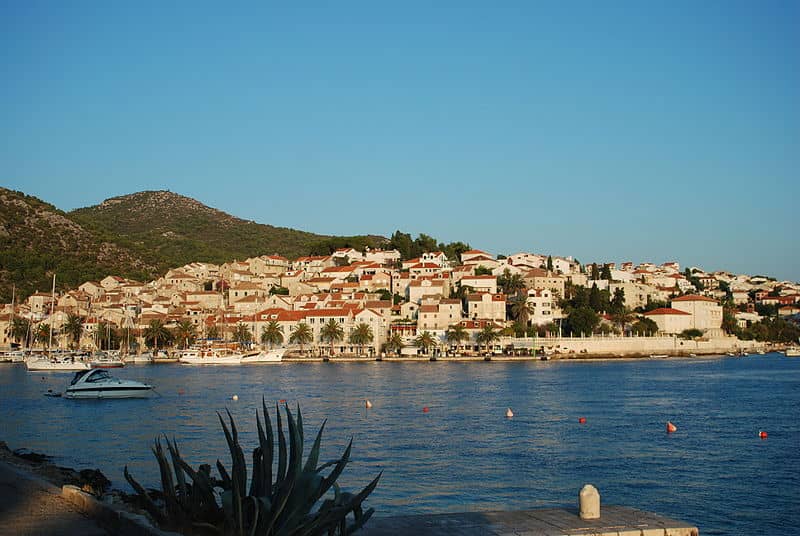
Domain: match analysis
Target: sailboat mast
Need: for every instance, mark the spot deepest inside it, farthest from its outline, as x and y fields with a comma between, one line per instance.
x=52, y=307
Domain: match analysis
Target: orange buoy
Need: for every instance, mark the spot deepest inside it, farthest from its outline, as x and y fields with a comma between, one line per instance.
x=282, y=401
x=762, y=435
x=181, y=391
x=671, y=428
x=581, y=420
x=425, y=409
x=509, y=413
x=368, y=404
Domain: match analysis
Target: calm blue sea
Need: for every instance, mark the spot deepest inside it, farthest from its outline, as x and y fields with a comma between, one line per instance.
x=463, y=454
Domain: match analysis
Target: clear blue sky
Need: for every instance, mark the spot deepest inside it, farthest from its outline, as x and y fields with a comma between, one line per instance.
x=643, y=131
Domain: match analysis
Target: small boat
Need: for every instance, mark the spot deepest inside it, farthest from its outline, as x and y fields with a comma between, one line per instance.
x=271, y=356
x=792, y=351
x=98, y=383
x=13, y=356
x=104, y=360
x=660, y=356
x=145, y=358
x=209, y=357
x=161, y=356
x=44, y=363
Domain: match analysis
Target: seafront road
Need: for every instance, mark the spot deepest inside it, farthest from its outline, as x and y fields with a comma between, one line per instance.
x=30, y=506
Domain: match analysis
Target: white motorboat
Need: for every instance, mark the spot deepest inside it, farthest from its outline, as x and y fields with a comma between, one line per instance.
x=104, y=360
x=792, y=351
x=145, y=358
x=271, y=356
x=44, y=363
x=98, y=383
x=14, y=356
x=209, y=356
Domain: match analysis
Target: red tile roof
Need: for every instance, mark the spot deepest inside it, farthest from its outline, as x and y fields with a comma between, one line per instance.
x=665, y=311
x=694, y=297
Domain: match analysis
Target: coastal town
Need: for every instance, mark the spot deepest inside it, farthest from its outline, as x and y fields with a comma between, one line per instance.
x=373, y=303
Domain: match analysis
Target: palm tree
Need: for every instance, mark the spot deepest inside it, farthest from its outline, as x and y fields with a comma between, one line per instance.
x=242, y=334
x=272, y=334
x=185, y=333
x=623, y=318
x=42, y=335
x=107, y=336
x=456, y=334
x=426, y=341
x=332, y=332
x=301, y=335
x=212, y=332
x=361, y=335
x=511, y=283
x=521, y=310
x=487, y=336
x=395, y=343
x=73, y=327
x=156, y=332
x=20, y=330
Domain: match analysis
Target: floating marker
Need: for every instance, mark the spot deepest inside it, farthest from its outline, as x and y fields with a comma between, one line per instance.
x=671, y=428
x=282, y=401
x=181, y=391
x=367, y=404
x=581, y=420
x=509, y=413
x=235, y=397
x=425, y=409
x=762, y=435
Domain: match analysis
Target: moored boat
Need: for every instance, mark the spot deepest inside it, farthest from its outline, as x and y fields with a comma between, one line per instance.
x=270, y=356
x=45, y=363
x=98, y=383
x=792, y=351
x=209, y=356
x=104, y=360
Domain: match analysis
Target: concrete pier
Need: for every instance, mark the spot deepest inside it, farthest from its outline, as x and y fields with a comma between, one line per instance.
x=614, y=521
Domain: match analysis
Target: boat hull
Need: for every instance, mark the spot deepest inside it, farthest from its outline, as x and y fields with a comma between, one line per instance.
x=110, y=393
x=273, y=356
x=44, y=366
x=212, y=360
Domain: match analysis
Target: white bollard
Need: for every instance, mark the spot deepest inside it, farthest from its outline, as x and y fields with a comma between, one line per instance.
x=589, y=502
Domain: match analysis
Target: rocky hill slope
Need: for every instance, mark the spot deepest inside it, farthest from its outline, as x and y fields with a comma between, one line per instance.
x=38, y=240
x=139, y=235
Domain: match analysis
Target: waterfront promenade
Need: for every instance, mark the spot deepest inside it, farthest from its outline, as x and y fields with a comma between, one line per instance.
x=32, y=506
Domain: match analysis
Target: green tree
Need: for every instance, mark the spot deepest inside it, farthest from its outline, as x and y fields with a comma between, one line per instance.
x=645, y=326
x=582, y=321
x=42, y=335
x=456, y=335
x=595, y=272
x=426, y=341
x=690, y=333
x=212, y=332
x=395, y=343
x=605, y=273
x=107, y=336
x=242, y=334
x=185, y=333
x=487, y=336
x=617, y=304
x=549, y=263
x=20, y=330
x=332, y=332
x=509, y=283
x=301, y=335
x=272, y=334
x=729, y=323
x=482, y=270
x=73, y=327
x=157, y=333
x=521, y=309
x=361, y=335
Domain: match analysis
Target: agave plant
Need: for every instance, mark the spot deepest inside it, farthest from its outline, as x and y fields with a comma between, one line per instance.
x=279, y=502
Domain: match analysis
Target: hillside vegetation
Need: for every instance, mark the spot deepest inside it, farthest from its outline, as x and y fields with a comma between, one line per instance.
x=38, y=240
x=139, y=236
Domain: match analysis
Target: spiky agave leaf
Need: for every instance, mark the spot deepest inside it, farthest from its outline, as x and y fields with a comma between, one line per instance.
x=149, y=505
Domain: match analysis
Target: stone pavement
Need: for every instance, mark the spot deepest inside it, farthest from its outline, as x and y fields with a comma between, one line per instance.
x=30, y=506
x=614, y=521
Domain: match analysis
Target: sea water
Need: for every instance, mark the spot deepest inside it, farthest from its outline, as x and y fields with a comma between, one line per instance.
x=463, y=454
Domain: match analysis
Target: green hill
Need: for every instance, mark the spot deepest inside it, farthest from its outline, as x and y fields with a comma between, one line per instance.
x=168, y=230
x=139, y=236
x=38, y=240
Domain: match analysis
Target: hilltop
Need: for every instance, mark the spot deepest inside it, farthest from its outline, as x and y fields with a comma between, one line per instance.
x=139, y=236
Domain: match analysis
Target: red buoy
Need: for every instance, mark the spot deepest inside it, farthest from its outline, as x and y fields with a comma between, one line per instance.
x=282, y=401
x=671, y=428
x=582, y=420
x=181, y=391
x=425, y=409
x=762, y=435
